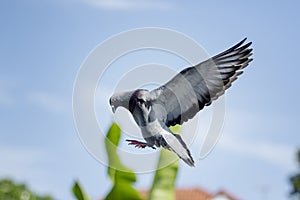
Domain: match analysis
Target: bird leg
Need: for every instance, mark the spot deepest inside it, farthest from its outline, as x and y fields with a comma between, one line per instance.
x=139, y=144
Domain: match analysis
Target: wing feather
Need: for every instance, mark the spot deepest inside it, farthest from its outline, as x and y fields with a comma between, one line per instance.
x=195, y=87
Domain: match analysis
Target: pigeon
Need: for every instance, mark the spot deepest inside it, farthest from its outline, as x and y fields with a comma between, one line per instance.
x=181, y=98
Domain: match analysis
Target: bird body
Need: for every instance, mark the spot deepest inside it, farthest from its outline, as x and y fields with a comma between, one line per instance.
x=154, y=131
x=181, y=99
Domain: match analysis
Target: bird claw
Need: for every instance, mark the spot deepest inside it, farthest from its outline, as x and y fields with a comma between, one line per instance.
x=139, y=144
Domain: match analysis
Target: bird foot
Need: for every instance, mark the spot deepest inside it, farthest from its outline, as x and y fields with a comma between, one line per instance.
x=139, y=144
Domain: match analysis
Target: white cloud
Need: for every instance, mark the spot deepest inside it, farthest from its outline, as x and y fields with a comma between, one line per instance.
x=282, y=155
x=49, y=102
x=14, y=160
x=27, y=165
x=243, y=135
x=130, y=4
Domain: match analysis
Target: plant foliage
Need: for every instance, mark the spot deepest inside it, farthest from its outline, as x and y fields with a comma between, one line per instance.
x=13, y=191
x=78, y=192
x=295, y=181
x=121, y=176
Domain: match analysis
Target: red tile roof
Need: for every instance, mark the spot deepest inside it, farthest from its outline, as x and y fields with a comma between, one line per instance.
x=192, y=194
x=225, y=193
x=196, y=194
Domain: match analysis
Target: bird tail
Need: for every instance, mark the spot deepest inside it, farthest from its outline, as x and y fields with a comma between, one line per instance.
x=177, y=145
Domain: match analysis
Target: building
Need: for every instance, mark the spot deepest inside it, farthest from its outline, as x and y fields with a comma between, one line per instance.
x=199, y=194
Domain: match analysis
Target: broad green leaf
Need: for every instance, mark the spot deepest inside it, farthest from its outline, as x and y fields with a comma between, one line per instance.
x=123, y=190
x=163, y=186
x=78, y=192
x=111, y=143
x=121, y=176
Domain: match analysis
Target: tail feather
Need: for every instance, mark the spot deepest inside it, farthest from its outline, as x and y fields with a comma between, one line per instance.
x=177, y=145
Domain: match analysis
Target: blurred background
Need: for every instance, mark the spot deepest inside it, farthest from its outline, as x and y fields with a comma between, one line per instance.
x=43, y=44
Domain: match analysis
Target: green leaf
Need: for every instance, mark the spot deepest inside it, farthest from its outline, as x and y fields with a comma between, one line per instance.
x=163, y=186
x=121, y=176
x=123, y=190
x=111, y=144
x=11, y=190
x=78, y=192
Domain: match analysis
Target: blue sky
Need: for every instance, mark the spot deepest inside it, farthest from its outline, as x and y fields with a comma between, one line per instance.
x=43, y=44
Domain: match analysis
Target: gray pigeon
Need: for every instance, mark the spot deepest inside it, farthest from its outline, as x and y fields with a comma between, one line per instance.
x=181, y=98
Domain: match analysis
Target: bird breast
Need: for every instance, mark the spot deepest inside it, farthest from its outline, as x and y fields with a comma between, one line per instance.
x=152, y=128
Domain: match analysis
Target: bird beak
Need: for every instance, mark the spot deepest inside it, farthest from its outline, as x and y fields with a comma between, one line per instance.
x=113, y=108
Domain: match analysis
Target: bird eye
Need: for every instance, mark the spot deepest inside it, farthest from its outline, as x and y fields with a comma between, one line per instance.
x=140, y=100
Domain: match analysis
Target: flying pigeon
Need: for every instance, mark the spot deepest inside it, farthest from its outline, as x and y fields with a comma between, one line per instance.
x=181, y=98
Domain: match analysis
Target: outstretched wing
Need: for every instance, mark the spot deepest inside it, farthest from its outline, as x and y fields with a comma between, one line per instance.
x=195, y=87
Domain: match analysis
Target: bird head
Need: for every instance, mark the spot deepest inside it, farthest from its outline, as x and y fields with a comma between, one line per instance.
x=120, y=99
